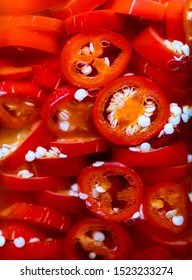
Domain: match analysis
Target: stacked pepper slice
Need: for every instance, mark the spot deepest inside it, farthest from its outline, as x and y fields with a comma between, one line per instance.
x=95, y=121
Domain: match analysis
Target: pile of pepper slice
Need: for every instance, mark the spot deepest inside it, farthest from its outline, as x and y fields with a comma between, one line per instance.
x=95, y=129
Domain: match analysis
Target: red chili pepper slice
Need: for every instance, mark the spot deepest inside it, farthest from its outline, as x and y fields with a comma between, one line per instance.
x=82, y=146
x=74, y=7
x=110, y=190
x=8, y=197
x=166, y=205
x=163, y=156
x=169, y=58
x=67, y=112
x=42, y=250
x=175, y=85
x=178, y=244
x=176, y=95
x=65, y=200
x=94, y=161
x=23, y=7
x=94, y=20
x=27, y=38
x=162, y=77
x=35, y=214
x=19, y=142
x=19, y=183
x=13, y=73
x=56, y=166
x=37, y=22
x=151, y=175
x=98, y=239
x=12, y=229
x=121, y=110
x=46, y=78
x=141, y=8
x=174, y=20
x=20, y=103
x=45, y=60
x=91, y=60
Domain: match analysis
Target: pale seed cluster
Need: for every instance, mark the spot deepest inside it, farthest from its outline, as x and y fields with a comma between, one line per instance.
x=42, y=152
x=19, y=242
x=178, y=47
x=177, y=220
x=7, y=149
x=118, y=101
x=176, y=115
x=87, y=69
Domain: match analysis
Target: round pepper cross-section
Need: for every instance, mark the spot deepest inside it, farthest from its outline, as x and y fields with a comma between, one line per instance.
x=166, y=205
x=66, y=115
x=130, y=110
x=94, y=239
x=91, y=60
x=20, y=103
x=111, y=190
